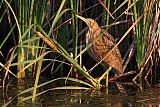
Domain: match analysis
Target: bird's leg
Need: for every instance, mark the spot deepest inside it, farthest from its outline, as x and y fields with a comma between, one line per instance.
x=105, y=74
x=107, y=77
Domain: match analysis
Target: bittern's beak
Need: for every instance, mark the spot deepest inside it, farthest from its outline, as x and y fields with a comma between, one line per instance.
x=84, y=19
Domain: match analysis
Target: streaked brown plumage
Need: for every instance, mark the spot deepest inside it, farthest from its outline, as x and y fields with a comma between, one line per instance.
x=103, y=42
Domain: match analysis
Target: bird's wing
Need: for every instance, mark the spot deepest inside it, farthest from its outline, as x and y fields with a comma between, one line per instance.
x=107, y=44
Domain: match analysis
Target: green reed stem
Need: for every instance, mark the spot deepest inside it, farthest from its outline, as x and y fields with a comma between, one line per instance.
x=107, y=16
x=40, y=62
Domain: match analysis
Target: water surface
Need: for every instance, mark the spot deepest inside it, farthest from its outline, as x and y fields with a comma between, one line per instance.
x=136, y=97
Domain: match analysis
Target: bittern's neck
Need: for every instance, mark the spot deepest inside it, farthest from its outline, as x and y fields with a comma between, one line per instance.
x=92, y=34
x=95, y=31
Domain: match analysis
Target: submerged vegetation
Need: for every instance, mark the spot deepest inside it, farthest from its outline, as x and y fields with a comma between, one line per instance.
x=46, y=38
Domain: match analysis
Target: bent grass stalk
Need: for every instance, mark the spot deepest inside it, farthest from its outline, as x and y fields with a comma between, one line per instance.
x=46, y=83
x=68, y=57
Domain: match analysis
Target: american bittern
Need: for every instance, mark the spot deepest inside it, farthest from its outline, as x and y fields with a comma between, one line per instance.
x=102, y=43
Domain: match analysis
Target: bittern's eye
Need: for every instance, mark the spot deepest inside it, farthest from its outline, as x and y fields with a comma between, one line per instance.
x=90, y=22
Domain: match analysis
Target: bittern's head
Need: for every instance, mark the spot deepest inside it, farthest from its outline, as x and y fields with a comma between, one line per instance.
x=92, y=24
